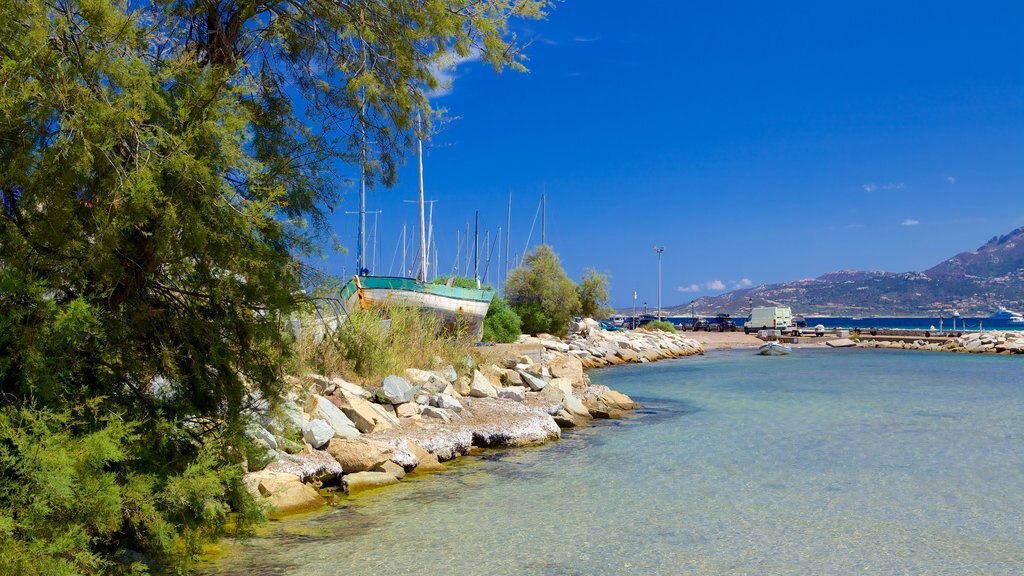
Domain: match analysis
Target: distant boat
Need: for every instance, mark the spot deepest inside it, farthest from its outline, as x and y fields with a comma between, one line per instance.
x=773, y=349
x=451, y=303
x=1008, y=316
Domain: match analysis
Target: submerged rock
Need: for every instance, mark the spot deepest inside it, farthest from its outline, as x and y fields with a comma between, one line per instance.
x=363, y=481
x=284, y=492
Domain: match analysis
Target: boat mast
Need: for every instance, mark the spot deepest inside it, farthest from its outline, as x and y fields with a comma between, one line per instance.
x=543, y=216
x=476, y=247
x=508, y=234
x=422, y=277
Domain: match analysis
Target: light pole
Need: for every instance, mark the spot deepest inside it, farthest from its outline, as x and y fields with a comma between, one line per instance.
x=693, y=315
x=632, y=319
x=659, y=251
x=750, y=305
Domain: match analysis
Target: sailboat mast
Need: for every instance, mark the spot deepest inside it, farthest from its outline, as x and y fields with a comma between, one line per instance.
x=423, y=227
x=543, y=217
x=361, y=255
x=508, y=233
x=476, y=247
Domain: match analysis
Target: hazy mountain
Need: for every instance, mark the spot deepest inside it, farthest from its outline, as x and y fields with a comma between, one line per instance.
x=974, y=283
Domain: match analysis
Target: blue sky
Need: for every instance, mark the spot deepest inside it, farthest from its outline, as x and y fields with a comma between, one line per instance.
x=757, y=143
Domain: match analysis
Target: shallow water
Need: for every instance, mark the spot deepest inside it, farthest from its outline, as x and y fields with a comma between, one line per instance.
x=822, y=462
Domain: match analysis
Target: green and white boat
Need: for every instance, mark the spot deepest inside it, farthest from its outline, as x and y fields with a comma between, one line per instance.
x=451, y=303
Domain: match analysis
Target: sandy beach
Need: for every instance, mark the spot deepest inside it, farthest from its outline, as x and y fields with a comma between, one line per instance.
x=731, y=340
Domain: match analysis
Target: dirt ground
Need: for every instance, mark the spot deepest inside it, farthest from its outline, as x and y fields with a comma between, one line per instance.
x=729, y=340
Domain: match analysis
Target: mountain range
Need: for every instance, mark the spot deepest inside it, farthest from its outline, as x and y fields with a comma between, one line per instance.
x=973, y=283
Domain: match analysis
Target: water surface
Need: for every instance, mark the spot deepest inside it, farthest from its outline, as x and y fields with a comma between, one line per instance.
x=822, y=462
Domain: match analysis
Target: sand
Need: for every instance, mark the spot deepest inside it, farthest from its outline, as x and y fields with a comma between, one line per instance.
x=731, y=340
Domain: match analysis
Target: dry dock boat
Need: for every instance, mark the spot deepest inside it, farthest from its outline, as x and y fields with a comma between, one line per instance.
x=451, y=303
x=773, y=349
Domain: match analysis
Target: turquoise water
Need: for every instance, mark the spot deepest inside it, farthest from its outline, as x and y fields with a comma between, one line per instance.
x=822, y=462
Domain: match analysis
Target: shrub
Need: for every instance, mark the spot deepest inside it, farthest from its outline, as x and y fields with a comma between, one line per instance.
x=593, y=294
x=502, y=324
x=541, y=294
x=662, y=325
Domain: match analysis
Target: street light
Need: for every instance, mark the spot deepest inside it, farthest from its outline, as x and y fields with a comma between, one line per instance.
x=750, y=305
x=659, y=251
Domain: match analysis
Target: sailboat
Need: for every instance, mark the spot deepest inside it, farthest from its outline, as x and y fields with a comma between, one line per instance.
x=452, y=303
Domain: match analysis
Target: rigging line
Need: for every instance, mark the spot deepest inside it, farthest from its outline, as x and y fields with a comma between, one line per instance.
x=532, y=226
x=395, y=255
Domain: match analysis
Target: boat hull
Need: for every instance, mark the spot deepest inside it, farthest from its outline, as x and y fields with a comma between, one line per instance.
x=451, y=303
x=773, y=349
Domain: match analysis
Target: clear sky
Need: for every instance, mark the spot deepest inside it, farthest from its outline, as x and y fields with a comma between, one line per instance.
x=757, y=142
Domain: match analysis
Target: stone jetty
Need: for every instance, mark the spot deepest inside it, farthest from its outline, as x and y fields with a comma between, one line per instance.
x=988, y=342
x=333, y=436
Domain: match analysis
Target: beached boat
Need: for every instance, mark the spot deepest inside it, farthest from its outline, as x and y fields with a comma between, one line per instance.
x=773, y=349
x=452, y=303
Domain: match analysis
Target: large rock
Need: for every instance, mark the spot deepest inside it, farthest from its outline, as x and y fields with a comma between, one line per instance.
x=324, y=409
x=316, y=433
x=408, y=410
x=617, y=400
x=566, y=366
x=363, y=415
x=841, y=343
x=315, y=466
x=398, y=390
x=517, y=393
x=481, y=387
x=445, y=401
x=391, y=468
x=439, y=413
x=428, y=381
x=359, y=454
x=462, y=384
x=284, y=492
x=511, y=378
x=425, y=461
x=450, y=374
x=535, y=383
x=363, y=481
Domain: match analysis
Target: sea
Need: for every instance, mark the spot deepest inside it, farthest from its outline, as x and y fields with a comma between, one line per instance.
x=829, y=462
x=946, y=323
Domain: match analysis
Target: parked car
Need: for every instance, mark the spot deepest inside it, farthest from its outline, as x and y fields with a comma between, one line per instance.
x=723, y=323
x=698, y=324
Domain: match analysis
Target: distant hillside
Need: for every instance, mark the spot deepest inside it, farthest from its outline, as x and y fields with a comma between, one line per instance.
x=973, y=283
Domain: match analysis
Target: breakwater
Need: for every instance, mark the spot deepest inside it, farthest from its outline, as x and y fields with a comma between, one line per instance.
x=333, y=437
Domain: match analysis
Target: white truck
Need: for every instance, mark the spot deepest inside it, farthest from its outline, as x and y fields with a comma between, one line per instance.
x=768, y=318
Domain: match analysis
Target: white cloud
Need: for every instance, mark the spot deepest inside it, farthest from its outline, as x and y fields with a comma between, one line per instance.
x=744, y=283
x=910, y=222
x=593, y=38
x=549, y=41
x=716, y=285
x=689, y=289
x=869, y=188
x=444, y=67
x=951, y=180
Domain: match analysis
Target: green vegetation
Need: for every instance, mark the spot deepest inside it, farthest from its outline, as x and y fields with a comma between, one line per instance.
x=541, y=294
x=160, y=193
x=663, y=325
x=502, y=324
x=460, y=282
x=593, y=294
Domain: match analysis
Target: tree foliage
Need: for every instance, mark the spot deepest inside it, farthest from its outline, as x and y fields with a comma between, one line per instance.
x=593, y=294
x=164, y=170
x=541, y=294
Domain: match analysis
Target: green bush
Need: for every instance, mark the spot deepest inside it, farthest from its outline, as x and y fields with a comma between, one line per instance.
x=662, y=325
x=541, y=294
x=593, y=294
x=460, y=282
x=502, y=324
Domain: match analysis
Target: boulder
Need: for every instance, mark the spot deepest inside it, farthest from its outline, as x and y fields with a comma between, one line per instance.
x=398, y=390
x=481, y=387
x=617, y=400
x=511, y=378
x=362, y=413
x=390, y=467
x=439, y=413
x=315, y=466
x=317, y=432
x=359, y=454
x=284, y=492
x=427, y=381
x=462, y=385
x=408, y=410
x=533, y=382
x=493, y=373
x=841, y=343
x=517, y=393
x=363, y=481
x=425, y=461
x=566, y=366
x=324, y=409
x=445, y=401
x=450, y=374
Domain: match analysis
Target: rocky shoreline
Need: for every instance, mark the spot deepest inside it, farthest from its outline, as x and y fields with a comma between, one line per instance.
x=987, y=342
x=333, y=437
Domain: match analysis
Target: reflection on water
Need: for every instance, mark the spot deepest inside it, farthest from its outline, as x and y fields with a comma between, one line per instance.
x=822, y=462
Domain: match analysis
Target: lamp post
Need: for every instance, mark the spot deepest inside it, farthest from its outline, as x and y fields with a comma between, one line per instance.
x=750, y=305
x=693, y=315
x=632, y=319
x=659, y=250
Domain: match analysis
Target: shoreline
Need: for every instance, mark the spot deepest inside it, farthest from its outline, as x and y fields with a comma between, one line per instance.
x=355, y=439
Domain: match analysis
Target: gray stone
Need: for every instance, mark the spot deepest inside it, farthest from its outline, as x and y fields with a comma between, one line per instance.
x=260, y=433
x=536, y=384
x=446, y=402
x=439, y=413
x=450, y=374
x=517, y=393
x=322, y=408
x=317, y=432
x=398, y=390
